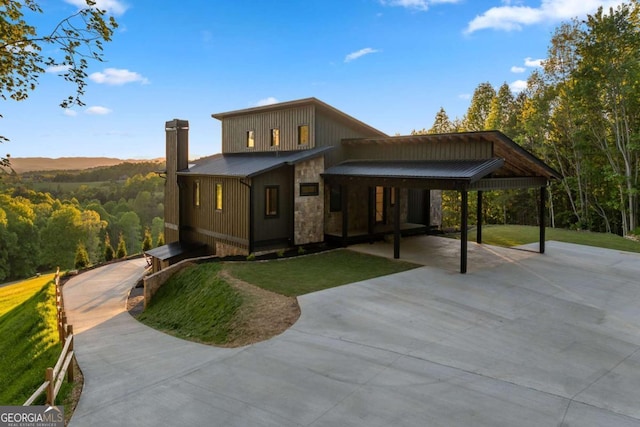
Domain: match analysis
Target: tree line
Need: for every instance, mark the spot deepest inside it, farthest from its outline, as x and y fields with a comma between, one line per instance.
x=580, y=113
x=85, y=225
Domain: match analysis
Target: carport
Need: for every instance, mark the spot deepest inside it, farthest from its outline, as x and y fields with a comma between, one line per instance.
x=464, y=162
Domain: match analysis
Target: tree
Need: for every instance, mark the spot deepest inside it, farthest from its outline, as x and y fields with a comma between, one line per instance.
x=476, y=117
x=147, y=242
x=82, y=256
x=108, y=249
x=121, y=252
x=70, y=45
x=160, y=241
x=441, y=123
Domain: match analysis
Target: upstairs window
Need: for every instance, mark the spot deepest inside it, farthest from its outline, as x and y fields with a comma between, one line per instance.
x=303, y=134
x=275, y=137
x=196, y=194
x=218, y=201
x=251, y=139
x=271, y=201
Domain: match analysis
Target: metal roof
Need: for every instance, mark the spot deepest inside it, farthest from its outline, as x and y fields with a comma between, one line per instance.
x=247, y=165
x=460, y=170
x=173, y=249
x=518, y=161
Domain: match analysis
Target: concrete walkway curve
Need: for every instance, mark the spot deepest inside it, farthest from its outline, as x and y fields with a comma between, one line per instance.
x=526, y=340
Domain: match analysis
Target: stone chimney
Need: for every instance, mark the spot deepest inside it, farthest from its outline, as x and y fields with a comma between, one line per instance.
x=177, y=159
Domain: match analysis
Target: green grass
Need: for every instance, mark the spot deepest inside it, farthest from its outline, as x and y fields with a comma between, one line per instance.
x=29, y=341
x=194, y=304
x=514, y=235
x=302, y=275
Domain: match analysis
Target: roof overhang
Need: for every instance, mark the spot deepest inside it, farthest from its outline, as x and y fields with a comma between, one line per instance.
x=247, y=165
x=428, y=174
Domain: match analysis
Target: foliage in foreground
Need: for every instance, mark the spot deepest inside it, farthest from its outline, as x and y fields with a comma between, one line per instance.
x=29, y=334
x=194, y=304
x=302, y=275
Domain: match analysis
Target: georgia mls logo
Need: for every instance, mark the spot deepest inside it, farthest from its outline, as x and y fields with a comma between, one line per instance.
x=31, y=416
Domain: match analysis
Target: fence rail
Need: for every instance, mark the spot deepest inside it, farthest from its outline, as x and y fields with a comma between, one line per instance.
x=54, y=377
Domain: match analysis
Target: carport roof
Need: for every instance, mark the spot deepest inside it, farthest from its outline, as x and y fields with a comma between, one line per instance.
x=247, y=165
x=468, y=171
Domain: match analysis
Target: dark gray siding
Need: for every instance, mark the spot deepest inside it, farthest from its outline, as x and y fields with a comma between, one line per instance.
x=445, y=150
x=234, y=130
x=272, y=232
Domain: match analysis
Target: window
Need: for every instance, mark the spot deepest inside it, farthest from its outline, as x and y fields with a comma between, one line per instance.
x=196, y=194
x=218, y=205
x=275, y=137
x=271, y=201
x=335, y=198
x=309, y=189
x=303, y=134
x=380, y=202
x=251, y=140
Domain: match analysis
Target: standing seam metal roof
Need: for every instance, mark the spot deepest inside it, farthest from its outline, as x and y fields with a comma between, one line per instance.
x=469, y=170
x=247, y=165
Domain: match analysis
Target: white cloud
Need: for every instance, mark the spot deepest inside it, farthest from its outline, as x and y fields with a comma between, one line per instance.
x=511, y=18
x=70, y=113
x=362, y=52
x=97, y=110
x=465, y=96
x=516, y=69
x=266, y=101
x=117, y=77
x=518, y=86
x=415, y=4
x=114, y=7
x=57, y=69
x=534, y=63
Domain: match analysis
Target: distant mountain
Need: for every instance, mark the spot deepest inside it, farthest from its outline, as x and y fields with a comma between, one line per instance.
x=27, y=164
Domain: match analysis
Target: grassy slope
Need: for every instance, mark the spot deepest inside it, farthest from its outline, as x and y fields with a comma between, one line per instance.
x=197, y=305
x=29, y=341
x=302, y=275
x=514, y=235
x=194, y=304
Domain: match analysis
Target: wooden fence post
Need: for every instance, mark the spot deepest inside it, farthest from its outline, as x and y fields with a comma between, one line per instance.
x=50, y=387
x=70, y=336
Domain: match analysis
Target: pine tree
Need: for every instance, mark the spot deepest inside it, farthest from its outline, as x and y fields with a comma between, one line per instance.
x=147, y=243
x=82, y=256
x=108, y=249
x=121, y=252
x=160, y=241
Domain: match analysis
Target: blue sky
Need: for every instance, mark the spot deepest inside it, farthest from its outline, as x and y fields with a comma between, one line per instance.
x=389, y=63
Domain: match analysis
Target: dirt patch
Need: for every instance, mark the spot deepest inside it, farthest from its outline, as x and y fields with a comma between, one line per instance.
x=263, y=314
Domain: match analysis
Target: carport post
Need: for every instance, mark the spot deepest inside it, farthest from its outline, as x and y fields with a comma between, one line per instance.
x=479, y=221
x=543, y=199
x=344, y=194
x=396, y=223
x=463, y=231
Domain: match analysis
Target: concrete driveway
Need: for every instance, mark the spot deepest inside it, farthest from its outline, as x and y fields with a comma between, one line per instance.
x=521, y=340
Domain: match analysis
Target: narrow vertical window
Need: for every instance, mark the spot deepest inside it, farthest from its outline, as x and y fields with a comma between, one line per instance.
x=196, y=194
x=275, y=137
x=271, y=201
x=303, y=134
x=218, y=197
x=251, y=141
x=335, y=198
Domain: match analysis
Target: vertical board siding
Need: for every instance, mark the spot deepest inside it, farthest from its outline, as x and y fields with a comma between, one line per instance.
x=281, y=226
x=171, y=191
x=234, y=130
x=330, y=133
x=231, y=221
x=440, y=150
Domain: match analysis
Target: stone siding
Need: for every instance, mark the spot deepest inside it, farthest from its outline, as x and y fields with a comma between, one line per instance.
x=309, y=210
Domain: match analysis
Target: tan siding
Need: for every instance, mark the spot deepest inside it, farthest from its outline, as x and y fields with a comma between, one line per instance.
x=234, y=130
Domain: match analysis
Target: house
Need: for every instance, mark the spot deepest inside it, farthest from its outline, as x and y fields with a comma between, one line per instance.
x=302, y=172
